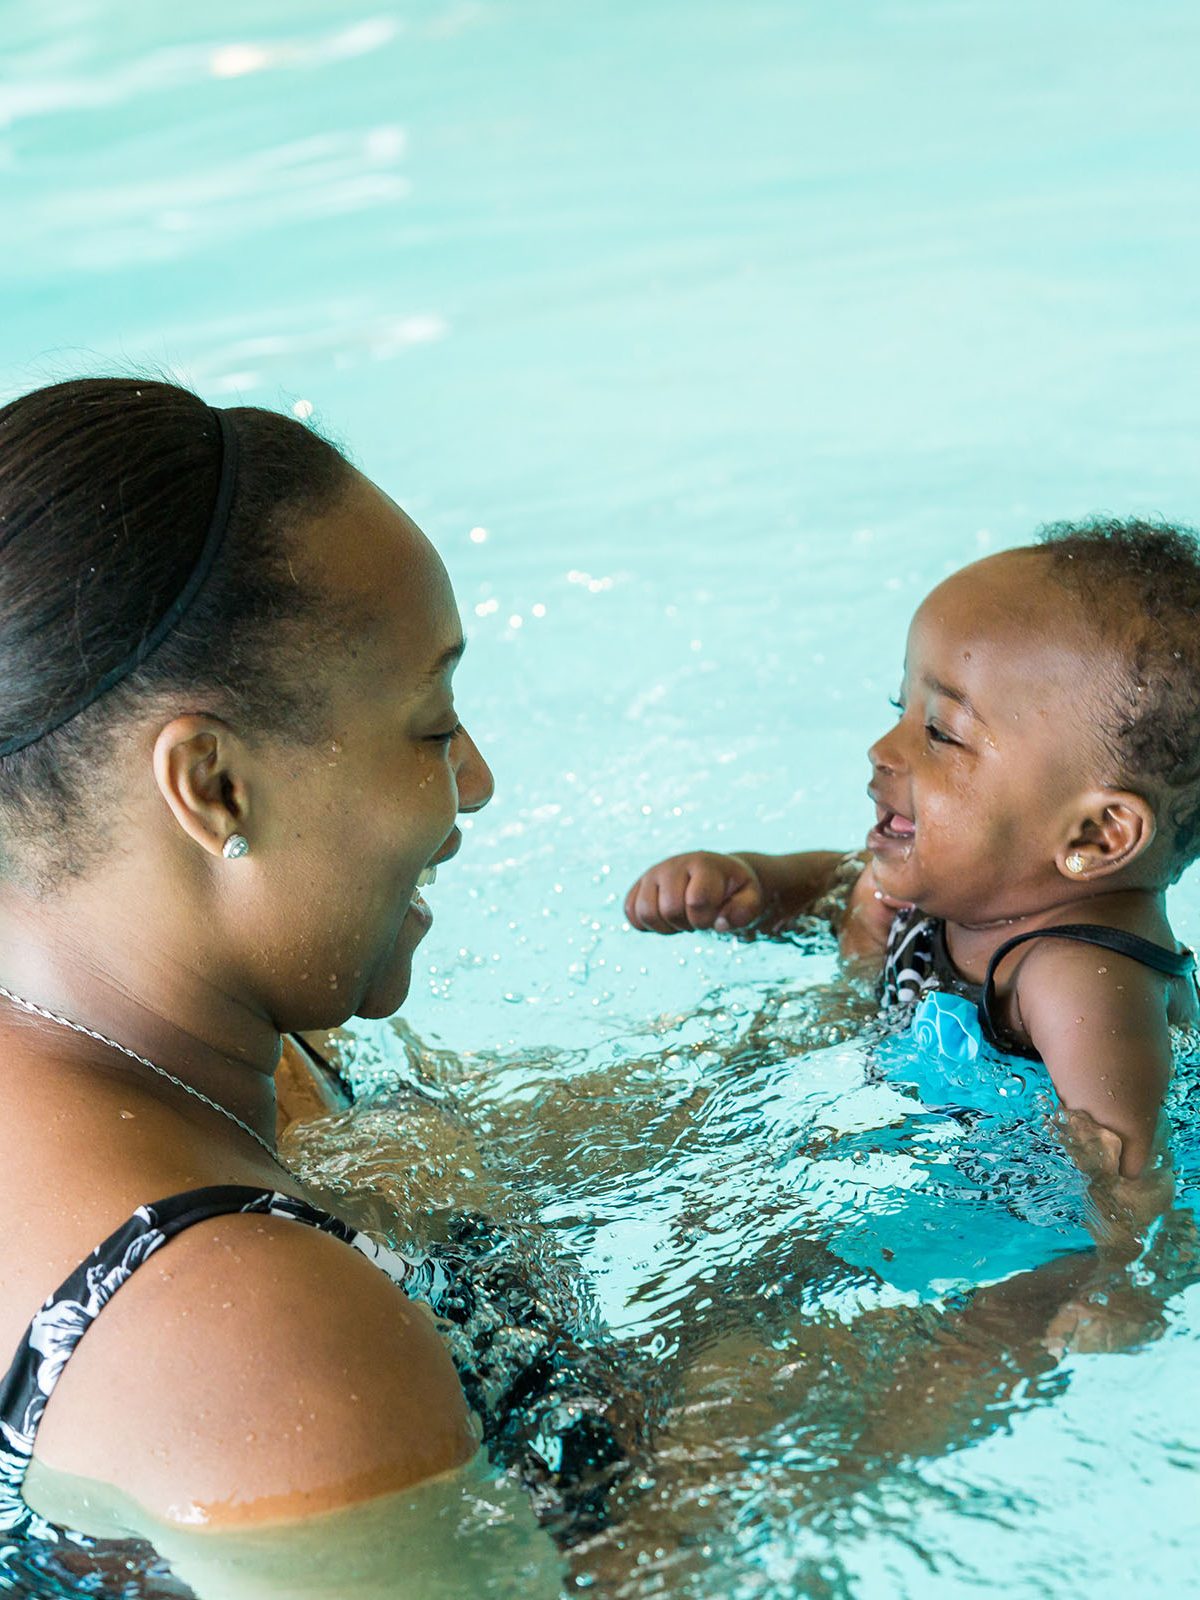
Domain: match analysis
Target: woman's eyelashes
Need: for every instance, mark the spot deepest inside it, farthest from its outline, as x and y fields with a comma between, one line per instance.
x=445, y=738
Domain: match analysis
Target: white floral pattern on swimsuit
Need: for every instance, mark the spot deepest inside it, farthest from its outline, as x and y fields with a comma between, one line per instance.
x=56, y=1329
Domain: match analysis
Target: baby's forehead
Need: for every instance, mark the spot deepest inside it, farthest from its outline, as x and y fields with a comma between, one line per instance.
x=1012, y=592
x=1006, y=617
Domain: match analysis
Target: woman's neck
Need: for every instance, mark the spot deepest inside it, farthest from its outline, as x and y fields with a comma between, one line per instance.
x=127, y=983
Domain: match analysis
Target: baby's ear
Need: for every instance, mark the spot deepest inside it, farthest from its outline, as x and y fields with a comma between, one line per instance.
x=1111, y=829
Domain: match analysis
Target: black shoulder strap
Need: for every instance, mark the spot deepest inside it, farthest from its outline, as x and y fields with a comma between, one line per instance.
x=1175, y=963
x=330, y=1069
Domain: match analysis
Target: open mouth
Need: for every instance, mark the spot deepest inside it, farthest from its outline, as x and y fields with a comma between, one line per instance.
x=427, y=876
x=893, y=824
x=419, y=904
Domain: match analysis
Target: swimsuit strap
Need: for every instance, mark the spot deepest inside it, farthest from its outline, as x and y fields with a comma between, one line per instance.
x=328, y=1068
x=1174, y=963
x=56, y=1330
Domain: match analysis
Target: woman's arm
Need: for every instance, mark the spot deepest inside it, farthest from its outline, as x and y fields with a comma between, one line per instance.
x=256, y=1370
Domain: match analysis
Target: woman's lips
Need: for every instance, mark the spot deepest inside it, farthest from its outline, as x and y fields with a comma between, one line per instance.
x=418, y=906
x=419, y=910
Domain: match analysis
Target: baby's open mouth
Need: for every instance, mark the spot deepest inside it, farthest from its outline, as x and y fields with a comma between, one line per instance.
x=892, y=825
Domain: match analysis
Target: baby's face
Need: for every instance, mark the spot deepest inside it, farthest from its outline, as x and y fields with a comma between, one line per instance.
x=977, y=785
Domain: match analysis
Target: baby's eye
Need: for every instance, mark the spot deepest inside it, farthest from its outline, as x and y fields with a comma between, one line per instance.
x=939, y=735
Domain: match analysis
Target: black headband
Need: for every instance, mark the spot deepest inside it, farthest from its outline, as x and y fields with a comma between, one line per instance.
x=213, y=540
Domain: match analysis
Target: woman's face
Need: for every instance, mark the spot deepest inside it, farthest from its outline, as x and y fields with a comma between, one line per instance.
x=342, y=830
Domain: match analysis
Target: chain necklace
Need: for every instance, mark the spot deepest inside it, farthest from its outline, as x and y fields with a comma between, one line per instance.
x=102, y=1038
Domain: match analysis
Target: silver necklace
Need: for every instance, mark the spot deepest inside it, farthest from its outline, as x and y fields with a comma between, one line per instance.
x=102, y=1038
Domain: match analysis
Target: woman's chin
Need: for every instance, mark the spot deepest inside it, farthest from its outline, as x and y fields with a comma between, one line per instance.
x=389, y=986
x=386, y=993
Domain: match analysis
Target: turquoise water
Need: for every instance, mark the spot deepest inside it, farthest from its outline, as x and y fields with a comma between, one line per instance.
x=702, y=338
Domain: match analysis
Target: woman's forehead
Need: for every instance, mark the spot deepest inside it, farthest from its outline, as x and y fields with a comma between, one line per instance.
x=371, y=559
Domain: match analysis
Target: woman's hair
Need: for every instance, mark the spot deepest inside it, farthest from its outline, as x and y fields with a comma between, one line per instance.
x=107, y=488
x=1140, y=584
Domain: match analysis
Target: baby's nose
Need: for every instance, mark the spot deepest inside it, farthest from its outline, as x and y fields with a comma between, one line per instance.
x=884, y=755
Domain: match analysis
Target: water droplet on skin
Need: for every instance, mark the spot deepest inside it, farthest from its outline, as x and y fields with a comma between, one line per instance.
x=1101, y=970
x=128, y=1116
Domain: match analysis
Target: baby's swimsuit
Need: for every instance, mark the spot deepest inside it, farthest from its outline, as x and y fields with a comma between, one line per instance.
x=54, y=1334
x=956, y=1016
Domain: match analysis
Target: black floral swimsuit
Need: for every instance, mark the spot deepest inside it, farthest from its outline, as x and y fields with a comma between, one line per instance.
x=55, y=1332
x=917, y=967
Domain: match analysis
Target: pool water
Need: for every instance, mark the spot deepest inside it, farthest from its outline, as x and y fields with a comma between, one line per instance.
x=702, y=338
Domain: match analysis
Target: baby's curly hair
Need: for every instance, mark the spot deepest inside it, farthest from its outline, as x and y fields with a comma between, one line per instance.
x=1140, y=581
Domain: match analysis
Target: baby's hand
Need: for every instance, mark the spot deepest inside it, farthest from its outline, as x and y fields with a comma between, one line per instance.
x=698, y=890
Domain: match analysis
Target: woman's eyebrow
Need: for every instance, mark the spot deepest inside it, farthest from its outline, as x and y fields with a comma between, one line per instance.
x=957, y=695
x=448, y=658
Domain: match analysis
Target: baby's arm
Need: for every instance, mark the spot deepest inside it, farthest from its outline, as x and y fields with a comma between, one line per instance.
x=760, y=893
x=1099, y=1022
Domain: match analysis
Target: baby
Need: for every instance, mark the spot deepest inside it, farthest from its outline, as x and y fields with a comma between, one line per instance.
x=1038, y=793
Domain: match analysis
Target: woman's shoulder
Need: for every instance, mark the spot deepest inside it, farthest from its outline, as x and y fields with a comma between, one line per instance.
x=256, y=1369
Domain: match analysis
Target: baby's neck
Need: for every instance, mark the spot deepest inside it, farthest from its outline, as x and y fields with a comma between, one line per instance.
x=1141, y=911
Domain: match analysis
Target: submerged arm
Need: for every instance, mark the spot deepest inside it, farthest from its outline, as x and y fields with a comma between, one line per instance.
x=1099, y=1022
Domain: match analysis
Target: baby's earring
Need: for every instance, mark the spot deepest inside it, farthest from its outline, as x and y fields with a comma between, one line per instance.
x=1075, y=862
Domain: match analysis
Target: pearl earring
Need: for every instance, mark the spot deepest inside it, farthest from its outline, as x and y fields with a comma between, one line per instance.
x=1075, y=862
x=235, y=847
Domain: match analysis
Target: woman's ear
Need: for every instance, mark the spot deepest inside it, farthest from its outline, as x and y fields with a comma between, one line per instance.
x=1112, y=828
x=199, y=769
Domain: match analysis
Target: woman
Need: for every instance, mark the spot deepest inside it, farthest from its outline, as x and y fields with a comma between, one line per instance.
x=228, y=754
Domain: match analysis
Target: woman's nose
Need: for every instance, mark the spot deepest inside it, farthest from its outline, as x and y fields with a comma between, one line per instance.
x=476, y=786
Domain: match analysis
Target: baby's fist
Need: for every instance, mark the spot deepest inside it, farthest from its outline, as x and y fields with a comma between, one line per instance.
x=699, y=890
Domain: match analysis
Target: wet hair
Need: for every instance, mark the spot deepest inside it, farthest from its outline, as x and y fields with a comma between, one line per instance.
x=107, y=486
x=1140, y=583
